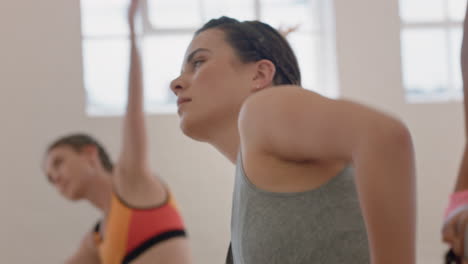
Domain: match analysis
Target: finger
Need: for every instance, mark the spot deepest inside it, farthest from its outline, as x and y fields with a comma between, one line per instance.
x=132, y=13
x=448, y=232
x=463, y=223
x=133, y=8
x=455, y=241
x=458, y=242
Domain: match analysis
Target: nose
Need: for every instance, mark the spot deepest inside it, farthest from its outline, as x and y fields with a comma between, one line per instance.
x=55, y=178
x=177, y=85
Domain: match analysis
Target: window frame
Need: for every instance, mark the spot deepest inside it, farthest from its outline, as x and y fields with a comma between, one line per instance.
x=326, y=61
x=447, y=25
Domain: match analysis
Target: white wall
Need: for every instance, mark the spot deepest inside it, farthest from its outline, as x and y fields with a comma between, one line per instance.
x=42, y=96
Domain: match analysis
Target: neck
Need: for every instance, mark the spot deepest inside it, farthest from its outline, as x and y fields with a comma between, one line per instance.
x=99, y=193
x=227, y=141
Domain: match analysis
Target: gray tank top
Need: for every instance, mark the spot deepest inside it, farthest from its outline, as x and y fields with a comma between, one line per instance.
x=323, y=225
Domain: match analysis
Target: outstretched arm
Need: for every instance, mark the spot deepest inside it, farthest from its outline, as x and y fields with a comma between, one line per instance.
x=462, y=182
x=453, y=231
x=133, y=160
x=285, y=31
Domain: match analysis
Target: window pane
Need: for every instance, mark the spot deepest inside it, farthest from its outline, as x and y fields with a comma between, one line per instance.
x=175, y=13
x=289, y=13
x=305, y=47
x=104, y=17
x=239, y=9
x=106, y=57
x=422, y=10
x=105, y=72
x=424, y=58
x=163, y=61
x=455, y=49
x=457, y=9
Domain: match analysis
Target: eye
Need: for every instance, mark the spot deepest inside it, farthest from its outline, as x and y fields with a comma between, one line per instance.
x=197, y=63
x=57, y=162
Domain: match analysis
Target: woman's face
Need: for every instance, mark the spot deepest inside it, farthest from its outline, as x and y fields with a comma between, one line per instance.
x=68, y=171
x=212, y=86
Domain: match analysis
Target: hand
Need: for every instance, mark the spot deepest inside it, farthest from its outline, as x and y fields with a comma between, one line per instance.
x=453, y=233
x=132, y=14
x=284, y=31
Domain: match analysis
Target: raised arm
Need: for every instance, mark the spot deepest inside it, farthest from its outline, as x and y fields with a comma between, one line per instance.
x=454, y=226
x=295, y=124
x=134, y=153
x=285, y=31
x=462, y=181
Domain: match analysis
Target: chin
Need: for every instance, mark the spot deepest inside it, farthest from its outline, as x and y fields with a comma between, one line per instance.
x=75, y=198
x=72, y=196
x=193, y=130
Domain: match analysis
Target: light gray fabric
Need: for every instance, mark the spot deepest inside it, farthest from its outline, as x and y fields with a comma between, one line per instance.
x=324, y=225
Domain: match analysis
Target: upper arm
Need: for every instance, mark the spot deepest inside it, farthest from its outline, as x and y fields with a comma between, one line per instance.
x=296, y=124
x=87, y=252
x=299, y=125
x=133, y=159
x=464, y=68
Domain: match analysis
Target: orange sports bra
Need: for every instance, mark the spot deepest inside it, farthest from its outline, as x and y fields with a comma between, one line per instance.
x=130, y=231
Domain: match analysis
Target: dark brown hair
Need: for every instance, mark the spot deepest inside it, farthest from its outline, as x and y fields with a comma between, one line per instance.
x=78, y=141
x=254, y=41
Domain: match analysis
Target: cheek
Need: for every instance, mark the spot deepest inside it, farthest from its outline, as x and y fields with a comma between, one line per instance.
x=70, y=171
x=206, y=78
x=215, y=74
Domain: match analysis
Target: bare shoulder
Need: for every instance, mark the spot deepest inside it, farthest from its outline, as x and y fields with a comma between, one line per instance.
x=264, y=111
x=278, y=102
x=283, y=96
x=146, y=191
x=296, y=124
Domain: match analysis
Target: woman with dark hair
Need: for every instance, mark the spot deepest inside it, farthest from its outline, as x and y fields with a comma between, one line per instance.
x=317, y=180
x=141, y=223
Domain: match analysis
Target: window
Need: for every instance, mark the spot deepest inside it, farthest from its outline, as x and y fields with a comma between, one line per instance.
x=168, y=27
x=431, y=33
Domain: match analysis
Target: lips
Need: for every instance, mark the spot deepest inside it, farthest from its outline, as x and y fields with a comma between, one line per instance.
x=183, y=100
x=63, y=186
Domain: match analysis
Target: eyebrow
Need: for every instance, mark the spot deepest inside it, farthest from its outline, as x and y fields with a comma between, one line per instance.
x=190, y=57
x=48, y=175
x=56, y=161
x=54, y=164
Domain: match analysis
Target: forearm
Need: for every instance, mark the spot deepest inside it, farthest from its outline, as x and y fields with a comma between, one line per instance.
x=135, y=79
x=134, y=139
x=135, y=117
x=464, y=69
x=462, y=180
x=386, y=184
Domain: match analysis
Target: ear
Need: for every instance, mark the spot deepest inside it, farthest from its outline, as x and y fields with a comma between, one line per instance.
x=90, y=152
x=265, y=72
